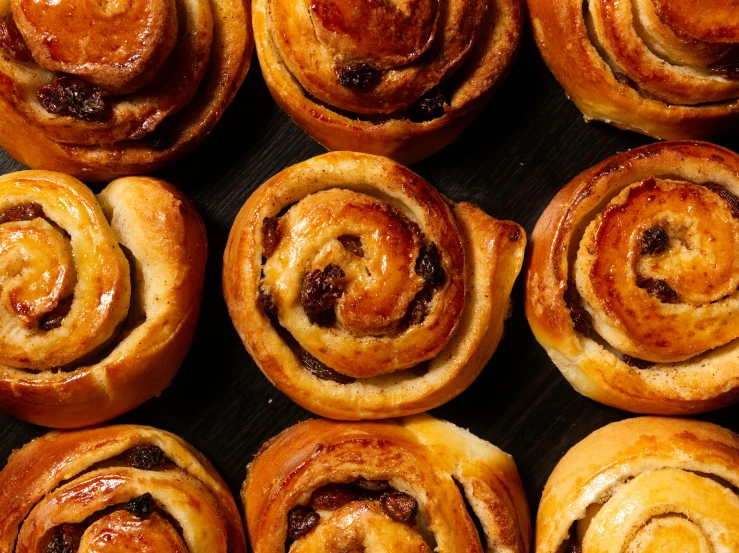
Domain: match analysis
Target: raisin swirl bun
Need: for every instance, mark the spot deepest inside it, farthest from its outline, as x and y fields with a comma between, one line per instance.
x=99, y=296
x=644, y=485
x=398, y=78
x=101, y=90
x=665, y=68
x=409, y=485
x=115, y=489
x=633, y=276
x=361, y=292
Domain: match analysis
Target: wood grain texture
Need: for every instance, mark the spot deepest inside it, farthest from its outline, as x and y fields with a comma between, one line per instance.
x=527, y=144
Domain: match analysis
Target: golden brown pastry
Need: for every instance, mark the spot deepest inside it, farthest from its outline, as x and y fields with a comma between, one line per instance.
x=99, y=296
x=409, y=485
x=665, y=68
x=397, y=79
x=106, y=89
x=115, y=489
x=362, y=293
x=644, y=485
x=633, y=276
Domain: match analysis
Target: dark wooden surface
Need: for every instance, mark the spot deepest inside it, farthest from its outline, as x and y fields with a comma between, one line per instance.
x=527, y=144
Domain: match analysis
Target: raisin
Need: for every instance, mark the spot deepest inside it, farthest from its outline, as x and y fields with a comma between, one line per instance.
x=660, y=290
x=727, y=196
x=418, y=309
x=271, y=235
x=728, y=66
x=26, y=212
x=580, y=317
x=654, y=241
x=352, y=243
x=74, y=97
x=300, y=521
x=428, y=265
x=430, y=106
x=53, y=319
x=141, y=507
x=265, y=301
x=321, y=289
x=399, y=506
x=332, y=496
x=12, y=41
x=623, y=78
x=573, y=547
x=324, y=372
x=355, y=74
x=65, y=539
x=373, y=485
x=145, y=457
x=636, y=363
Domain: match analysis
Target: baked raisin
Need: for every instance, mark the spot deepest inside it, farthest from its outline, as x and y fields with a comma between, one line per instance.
x=654, y=241
x=141, y=507
x=321, y=289
x=53, y=319
x=332, y=496
x=355, y=74
x=271, y=235
x=727, y=196
x=73, y=97
x=25, y=212
x=418, y=309
x=636, y=363
x=580, y=317
x=65, y=539
x=12, y=41
x=265, y=301
x=352, y=243
x=660, y=290
x=428, y=265
x=300, y=521
x=399, y=506
x=430, y=106
x=145, y=457
x=728, y=66
x=573, y=547
x=623, y=78
x=324, y=372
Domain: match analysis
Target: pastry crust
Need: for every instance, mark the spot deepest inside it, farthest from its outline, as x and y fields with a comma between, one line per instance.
x=401, y=342
x=181, y=63
x=84, y=480
x=664, y=333
x=665, y=69
x=419, y=456
x=644, y=484
x=132, y=262
x=460, y=48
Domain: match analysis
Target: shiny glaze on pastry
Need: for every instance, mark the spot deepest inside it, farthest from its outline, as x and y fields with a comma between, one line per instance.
x=362, y=293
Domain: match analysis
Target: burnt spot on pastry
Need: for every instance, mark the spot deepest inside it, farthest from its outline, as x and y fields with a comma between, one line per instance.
x=271, y=235
x=300, y=521
x=141, y=507
x=399, y=506
x=11, y=40
x=637, y=363
x=725, y=195
x=73, y=97
x=319, y=293
x=352, y=243
x=430, y=106
x=322, y=371
x=332, y=496
x=25, y=212
x=145, y=457
x=580, y=317
x=352, y=74
x=654, y=241
x=65, y=539
x=54, y=318
x=659, y=289
x=266, y=302
x=728, y=66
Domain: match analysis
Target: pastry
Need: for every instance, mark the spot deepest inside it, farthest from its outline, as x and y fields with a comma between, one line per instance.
x=396, y=79
x=99, y=296
x=633, y=275
x=361, y=292
x=644, y=485
x=115, y=488
x=101, y=90
x=665, y=68
x=410, y=485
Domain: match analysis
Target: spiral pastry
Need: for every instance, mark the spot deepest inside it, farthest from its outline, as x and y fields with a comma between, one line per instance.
x=409, y=485
x=633, y=276
x=98, y=296
x=362, y=293
x=115, y=489
x=107, y=89
x=644, y=485
x=665, y=68
x=395, y=78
